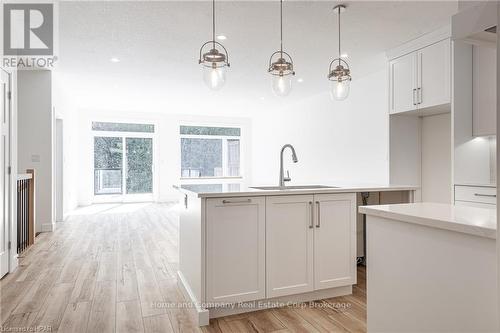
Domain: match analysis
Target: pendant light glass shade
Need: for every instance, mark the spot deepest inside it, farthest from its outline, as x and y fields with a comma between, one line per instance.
x=281, y=66
x=214, y=59
x=339, y=90
x=339, y=73
x=282, y=85
x=214, y=78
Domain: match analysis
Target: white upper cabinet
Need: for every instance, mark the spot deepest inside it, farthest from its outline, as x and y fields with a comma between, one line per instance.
x=434, y=78
x=403, y=83
x=289, y=245
x=334, y=240
x=235, y=249
x=484, y=91
x=421, y=79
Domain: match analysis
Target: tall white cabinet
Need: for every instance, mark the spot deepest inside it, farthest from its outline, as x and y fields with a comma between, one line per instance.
x=484, y=97
x=420, y=90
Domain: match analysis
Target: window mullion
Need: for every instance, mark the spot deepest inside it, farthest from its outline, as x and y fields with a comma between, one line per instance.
x=225, y=171
x=124, y=168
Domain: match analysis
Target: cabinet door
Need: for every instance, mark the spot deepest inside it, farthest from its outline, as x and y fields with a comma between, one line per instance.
x=403, y=81
x=235, y=249
x=434, y=74
x=289, y=245
x=484, y=97
x=334, y=240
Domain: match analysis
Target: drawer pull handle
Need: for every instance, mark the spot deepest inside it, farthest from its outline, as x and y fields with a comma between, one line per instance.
x=485, y=195
x=236, y=201
x=311, y=224
x=318, y=224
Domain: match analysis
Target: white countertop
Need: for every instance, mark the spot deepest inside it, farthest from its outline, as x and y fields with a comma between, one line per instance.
x=469, y=220
x=203, y=192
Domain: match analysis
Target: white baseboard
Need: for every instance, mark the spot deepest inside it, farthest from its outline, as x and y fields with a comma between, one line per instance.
x=14, y=261
x=48, y=227
x=201, y=316
x=279, y=301
x=198, y=314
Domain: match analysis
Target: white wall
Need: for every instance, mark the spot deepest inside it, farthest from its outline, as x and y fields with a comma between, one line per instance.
x=35, y=121
x=344, y=142
x=335, y=141
x=65, y=109
x=436, y=158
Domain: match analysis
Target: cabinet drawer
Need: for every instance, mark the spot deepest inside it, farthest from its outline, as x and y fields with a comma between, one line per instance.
x=474, y=204
x=477, y=194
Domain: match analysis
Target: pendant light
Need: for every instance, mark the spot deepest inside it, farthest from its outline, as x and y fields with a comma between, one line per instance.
x=281, y=65
x=339, y=73
x=214, y=59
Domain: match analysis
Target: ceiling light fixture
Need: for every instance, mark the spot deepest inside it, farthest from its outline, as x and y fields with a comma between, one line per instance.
x=281, y=65
x=114, y=59
x=221, y=37
x=339, y=72
x=214, y=61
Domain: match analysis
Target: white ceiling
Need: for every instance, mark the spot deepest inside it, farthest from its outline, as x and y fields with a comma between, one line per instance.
x=158, y=42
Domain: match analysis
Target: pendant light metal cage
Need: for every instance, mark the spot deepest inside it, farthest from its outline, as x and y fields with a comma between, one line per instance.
x=213, y=58
x=339, y=73
x=281, y=64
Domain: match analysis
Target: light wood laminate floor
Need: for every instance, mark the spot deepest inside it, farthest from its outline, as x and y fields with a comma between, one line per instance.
x=111, y=268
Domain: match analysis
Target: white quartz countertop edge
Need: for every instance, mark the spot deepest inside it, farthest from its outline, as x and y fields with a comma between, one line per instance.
x=256, y=192
x=468, y=220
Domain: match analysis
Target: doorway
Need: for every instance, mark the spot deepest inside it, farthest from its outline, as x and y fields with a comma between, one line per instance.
x=59, y=171
x=5, y=228
x=123, y=162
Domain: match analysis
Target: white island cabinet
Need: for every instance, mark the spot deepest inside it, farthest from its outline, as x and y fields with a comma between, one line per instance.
x=248, y=250
x=235, y=249
x=334, y=240
x=311, y=243
x=431, y=268
x=289, y=241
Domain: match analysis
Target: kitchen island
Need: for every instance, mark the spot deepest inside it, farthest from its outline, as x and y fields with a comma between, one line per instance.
x=246, y=249
x=431, y=268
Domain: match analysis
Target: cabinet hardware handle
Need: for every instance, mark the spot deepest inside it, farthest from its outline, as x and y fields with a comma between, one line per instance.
x=236, y=201
x=319, y=216
x=414, y=91
x=419, y=95
x=485, y=195
x=311, y=223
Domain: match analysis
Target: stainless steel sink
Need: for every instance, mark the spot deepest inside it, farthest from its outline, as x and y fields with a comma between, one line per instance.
x=298, y=187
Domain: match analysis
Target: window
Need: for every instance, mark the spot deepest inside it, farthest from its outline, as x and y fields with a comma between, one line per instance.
x=122, y=127
x=123, y=159
x=210, y=152
x=108, y=160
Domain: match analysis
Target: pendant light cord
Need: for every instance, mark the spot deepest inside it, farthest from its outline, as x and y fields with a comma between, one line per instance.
x=213, y=23
x=281, y=28
x=339, y=36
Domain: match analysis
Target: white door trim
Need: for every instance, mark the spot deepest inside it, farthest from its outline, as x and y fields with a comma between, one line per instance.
x=11, y=179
